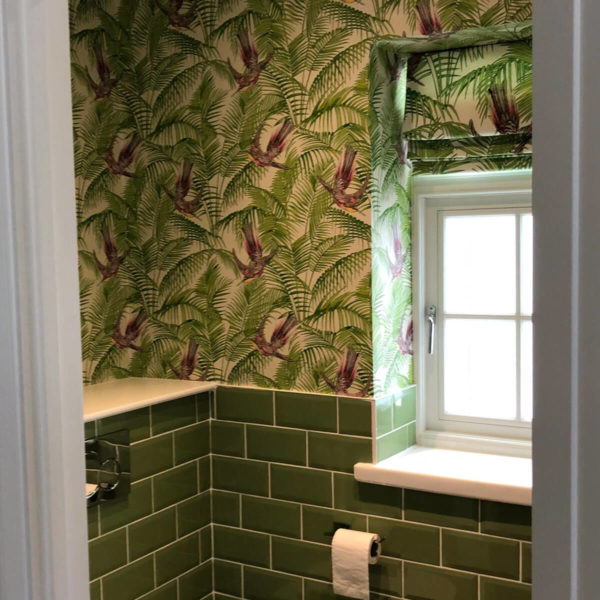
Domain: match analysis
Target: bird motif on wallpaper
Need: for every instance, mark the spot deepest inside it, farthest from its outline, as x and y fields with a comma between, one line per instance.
x=113, y=260
x=133, y=330
x=343, y=178
x=189, y=361
x=118, y=166
x=279, y=338
x=182, y=189
x=504, y=112
x=428, y=20
x=405, y=337
x=105, y=86
x=346, y=374
x=254, y=250
x=397, y=265
x=275, y=146
x=181, y=20
x=254, y=67
x=402, y=148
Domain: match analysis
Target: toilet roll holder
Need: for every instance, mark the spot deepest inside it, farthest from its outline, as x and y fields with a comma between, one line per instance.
x=337, y=525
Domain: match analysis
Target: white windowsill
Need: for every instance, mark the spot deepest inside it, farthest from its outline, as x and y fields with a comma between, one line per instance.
x=454, y=472
x=122, y=395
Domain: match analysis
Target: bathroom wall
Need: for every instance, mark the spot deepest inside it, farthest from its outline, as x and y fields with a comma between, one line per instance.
x=160, y=537
x=166, y=188
x=260, y=524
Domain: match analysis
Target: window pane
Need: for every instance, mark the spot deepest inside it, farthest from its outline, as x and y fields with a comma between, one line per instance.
x=526, y=370
x=479, y=264
x=480, y=368
x=526, y=264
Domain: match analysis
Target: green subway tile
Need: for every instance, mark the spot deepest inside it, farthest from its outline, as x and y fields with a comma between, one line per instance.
x=355, y=416
x=360, y=497
x=306, y=411
x=227, y=438
x=204, y=471
x=431, y=583
x=218, y=596
x=245, y=404
x=301, y=485
x=238, y=475
x=137, y=422
x=317, y=523
x=95, y=592
x=420, y=543
x=193, y=514
x=319, y=590
x=93, y=522
x=276, y=444
x=206, y=543
x=151, y=533
x=130, y=582
x=439, y=509
x=301, y=558
x=151, y=457
x=267, y=585
x=493, y=589
x=271, y=516
x=526, y=562
x=89, y=430
x=203, y=406
x=337, y=452
x=228, y=578
x=386, y=576
x=196, y=584
x=173, y=414
x=226, y=508
x=392, y=443
x=506, y=520
x=107, y=553
x=481, y=554
x=175, y=485
x=192, y=442
x=411, y=430
x=165, y=592
x=242, y=546
x=137, y=504
x=384, y=415
x=405, y=406
x=177, y=558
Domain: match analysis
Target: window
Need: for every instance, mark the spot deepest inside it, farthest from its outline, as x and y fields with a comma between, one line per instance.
x=474, y=280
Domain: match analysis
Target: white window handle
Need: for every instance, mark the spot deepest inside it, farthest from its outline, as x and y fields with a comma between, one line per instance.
x=431, y=317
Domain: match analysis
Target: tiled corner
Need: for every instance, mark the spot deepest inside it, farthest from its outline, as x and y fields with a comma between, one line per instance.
x=244, y=404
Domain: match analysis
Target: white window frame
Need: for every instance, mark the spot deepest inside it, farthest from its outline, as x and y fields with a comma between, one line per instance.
x=501, y=191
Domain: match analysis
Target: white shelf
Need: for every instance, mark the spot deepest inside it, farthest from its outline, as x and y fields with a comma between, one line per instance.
x=471, y=474
x=122, y=395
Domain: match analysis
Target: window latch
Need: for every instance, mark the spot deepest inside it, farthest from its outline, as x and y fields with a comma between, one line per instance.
x=431, y=318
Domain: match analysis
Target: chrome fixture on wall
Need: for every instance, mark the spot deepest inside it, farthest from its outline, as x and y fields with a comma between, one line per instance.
x=108, y=471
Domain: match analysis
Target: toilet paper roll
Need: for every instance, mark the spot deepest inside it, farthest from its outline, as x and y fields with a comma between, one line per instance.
x=351, y=556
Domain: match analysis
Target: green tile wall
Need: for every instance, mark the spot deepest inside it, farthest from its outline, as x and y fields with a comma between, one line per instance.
x=157, y=544
x=240, y=507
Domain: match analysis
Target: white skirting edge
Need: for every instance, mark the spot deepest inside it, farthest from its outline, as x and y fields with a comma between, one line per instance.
x=454, y=472
x=123, y=395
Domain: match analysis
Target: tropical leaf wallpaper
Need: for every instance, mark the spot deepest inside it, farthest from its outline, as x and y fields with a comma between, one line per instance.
x=223, y=177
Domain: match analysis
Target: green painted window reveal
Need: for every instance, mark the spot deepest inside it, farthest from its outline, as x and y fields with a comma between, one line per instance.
x=228, y=508
x=225, y=174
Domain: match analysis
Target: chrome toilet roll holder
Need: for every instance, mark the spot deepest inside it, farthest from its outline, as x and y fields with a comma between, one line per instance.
x=338, y=525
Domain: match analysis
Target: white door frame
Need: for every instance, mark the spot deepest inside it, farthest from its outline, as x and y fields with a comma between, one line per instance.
x=43, y=549
x=566, y=205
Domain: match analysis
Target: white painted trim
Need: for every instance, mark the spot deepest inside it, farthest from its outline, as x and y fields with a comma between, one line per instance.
x=565, y=67
x=43, y=546
x=432, y=193
x=470, y=474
